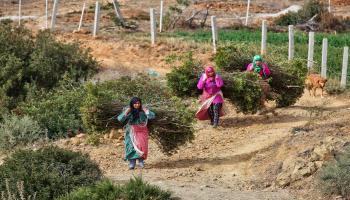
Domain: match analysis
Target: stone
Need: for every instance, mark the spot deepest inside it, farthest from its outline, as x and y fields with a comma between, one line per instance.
x=81, y=135
x=113, y=134
x=75, y=141
x=283, y=179
x=325, y=152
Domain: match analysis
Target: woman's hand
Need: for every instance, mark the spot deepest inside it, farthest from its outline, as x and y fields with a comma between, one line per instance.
x=205, y=77
x=146, y=110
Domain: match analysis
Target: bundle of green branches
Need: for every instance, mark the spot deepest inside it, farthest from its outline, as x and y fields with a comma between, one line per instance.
x=172, y=126
x=287, y=81
x=243, y=90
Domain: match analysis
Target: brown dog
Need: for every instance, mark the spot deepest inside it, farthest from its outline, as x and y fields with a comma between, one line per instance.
x=314, y=81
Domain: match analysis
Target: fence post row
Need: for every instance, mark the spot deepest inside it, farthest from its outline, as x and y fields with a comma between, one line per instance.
x=247, y=15
x=291, y=42
x=82, y=16
x=324, y=58
x=97, y=18
x=214, y=32
x=19, y=12
x=153, y=26
x=161, y=16
x=263, y=37
x=117, y=11
x=345, y=67
x=310, y=54
x=54, y=13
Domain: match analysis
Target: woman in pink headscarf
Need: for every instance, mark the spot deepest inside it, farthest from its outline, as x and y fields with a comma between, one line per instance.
x=212, y=98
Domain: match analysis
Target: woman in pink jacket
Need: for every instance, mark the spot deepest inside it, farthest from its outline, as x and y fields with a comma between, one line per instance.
x=212, y=99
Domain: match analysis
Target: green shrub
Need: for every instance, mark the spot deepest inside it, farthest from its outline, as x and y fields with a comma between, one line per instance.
x=93, y=139
x=291, y=18
x=41, y=61
x=49, y=172
x=334, y=178
x=19, y=131
x=244, y=91
x=58, y=110
x=134, y=189
x=182, y=80
x=231, y=58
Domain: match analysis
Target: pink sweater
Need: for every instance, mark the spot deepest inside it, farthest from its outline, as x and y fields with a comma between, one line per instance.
x=210, y=87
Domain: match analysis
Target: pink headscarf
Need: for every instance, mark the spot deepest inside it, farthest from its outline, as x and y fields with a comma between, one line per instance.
x=209, y=69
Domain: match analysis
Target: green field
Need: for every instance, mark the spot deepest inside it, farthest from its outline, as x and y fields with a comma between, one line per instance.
x=277, y=44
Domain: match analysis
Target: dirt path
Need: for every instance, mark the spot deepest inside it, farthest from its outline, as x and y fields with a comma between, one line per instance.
x=239, y=160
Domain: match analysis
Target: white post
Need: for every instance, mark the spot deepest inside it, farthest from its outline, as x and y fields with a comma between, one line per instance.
x=117, y=11
x=97, y=18
x=324, y=58
x=82, y=16
x=345, y=67
x=153, y=26
x=329, y=5
x=263, y=37
x=54, y=13
x=214, y=32
x=161, y=16
x=310, y=54
x=247, y=15
x=46, y=14
x=291, y=43
x=19, y=12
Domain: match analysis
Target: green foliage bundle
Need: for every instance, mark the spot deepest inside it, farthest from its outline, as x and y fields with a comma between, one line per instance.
x=133, y=189
x=244, y=91
x=58, y=110
x=334, y=178
x=41, y=61
x=49, y=172
x=18, y=131
x=104, y=101
x=182, y=80
x=231, y=58
x=287, y=81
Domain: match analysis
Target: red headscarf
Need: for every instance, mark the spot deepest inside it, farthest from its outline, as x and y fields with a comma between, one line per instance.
x=209, y=69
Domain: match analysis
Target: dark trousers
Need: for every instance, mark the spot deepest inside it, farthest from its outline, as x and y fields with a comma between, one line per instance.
x=214, y=113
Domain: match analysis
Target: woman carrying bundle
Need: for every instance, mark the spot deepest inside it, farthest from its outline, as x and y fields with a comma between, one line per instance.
x=212, y=98
x=260, y=67
x=136, y=132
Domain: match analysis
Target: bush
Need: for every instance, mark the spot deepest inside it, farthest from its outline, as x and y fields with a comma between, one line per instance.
x=58, y=110
x=231, y=58
x=49, y=172
x=134, y=189
x=334, y=178
x=19, y=131
x=182, y=80
x=40, y=61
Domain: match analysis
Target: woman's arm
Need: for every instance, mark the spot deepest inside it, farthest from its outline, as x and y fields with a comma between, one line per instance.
x=124, y=115
x=201, y=82
x=149, y=114
x=266, y=69
x=219, y=82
